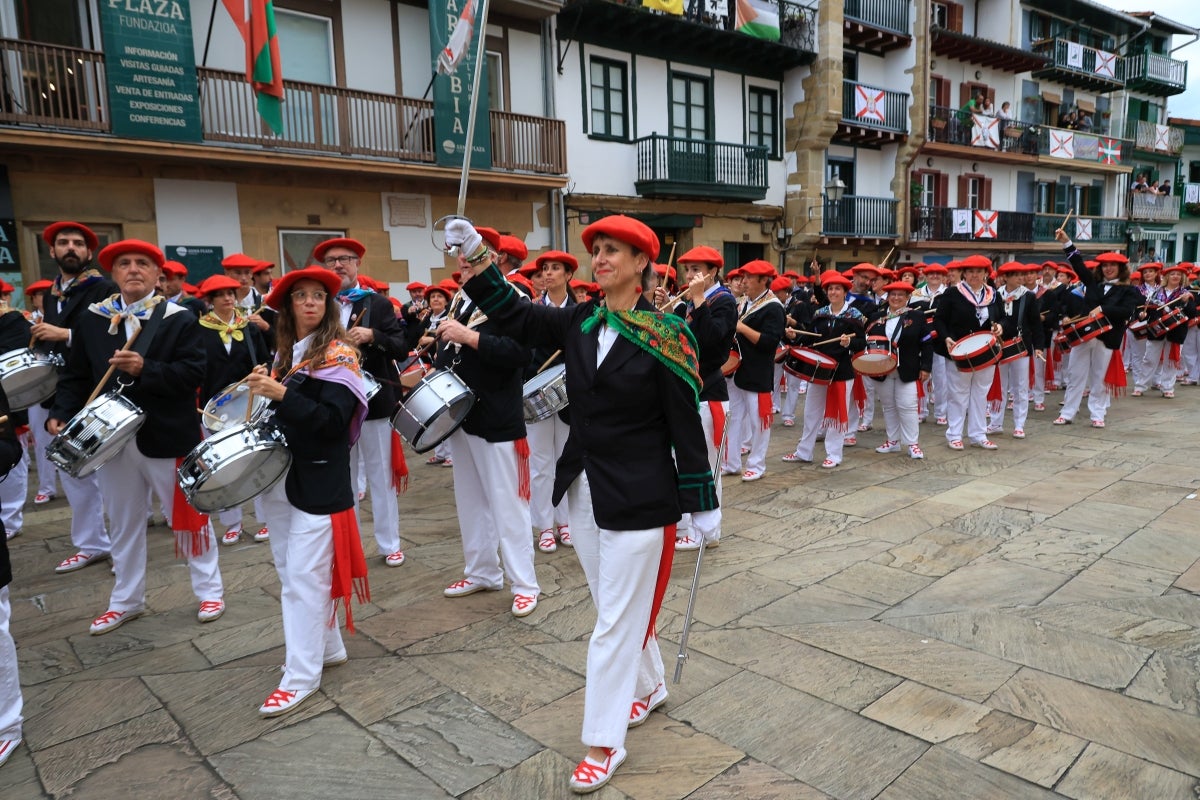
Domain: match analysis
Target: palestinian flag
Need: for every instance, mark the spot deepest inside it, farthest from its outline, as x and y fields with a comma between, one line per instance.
x=262, y=63
x=758, y=18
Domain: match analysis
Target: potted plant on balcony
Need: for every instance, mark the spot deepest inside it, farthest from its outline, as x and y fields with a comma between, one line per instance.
x=939, y=119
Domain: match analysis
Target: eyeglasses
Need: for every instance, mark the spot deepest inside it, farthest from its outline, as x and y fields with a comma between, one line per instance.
x=301, y=297
x=329, y=262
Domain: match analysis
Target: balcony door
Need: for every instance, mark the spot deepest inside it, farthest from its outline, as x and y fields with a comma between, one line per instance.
x=690, y=157
x=840, y=217
x=40, y=78
x=306, y=55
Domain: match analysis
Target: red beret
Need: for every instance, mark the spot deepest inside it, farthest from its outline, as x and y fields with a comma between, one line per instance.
x=975, y=262
x=625, y=229
x=6, y=287
x=491, y=236
x=834, y=278
x=735, y=273
x=110, y=253
x=38, y=286
x=866, y=267
x=446, y=288
x=1174, y=268
x=705, y=254
x=1136, y=275
x=283, y=287
x=665, y=271
x=395, y=301
x=1063, y=268
x=899, y=286
x=512, y=246
x=1091, y=264
x=353, y=245
x=796, y=276
x=568, y=260
x=263, y=266
x=1155, y=265
x=1113, y=258
x=936, y=269
x=781, y=284
x=528, y=270
x=521, y=280
x=415, y=286
x=1012, y=268
x=89, y=235
x=759, y=267
x=239, y=261
x=174, y=268
x=215, y=283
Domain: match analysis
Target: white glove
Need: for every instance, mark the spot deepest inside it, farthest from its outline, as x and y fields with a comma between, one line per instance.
x=461, y=233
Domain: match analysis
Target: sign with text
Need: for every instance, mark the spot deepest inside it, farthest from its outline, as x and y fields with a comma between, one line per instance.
x=201, y=260
x=452, y=92
x=150, y=65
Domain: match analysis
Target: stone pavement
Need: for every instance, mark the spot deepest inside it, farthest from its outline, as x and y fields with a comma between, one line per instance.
x=1010, y=624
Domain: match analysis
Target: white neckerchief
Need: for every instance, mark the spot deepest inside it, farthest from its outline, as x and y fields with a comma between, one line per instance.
x=300, y=348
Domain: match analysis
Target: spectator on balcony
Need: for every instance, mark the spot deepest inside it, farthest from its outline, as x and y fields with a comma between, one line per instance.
x=1067, y=120
x=1085, y=122
x=1139, y=184
x=986, y=106
x=1165, y=186
x=1005, y=111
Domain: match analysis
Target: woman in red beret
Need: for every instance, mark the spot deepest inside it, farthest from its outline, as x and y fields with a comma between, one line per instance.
x=1162, y=362
x=316, y=390
x=14, y=335
x=635, y=459
x=437, y=303
x=905, y=328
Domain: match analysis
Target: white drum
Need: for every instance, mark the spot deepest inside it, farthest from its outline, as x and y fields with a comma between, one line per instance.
x=228, y=408
x=371, y=387
x=95, y=434
x=28, y=377
x=545, y=394
x=433, y=410
x=233, y=466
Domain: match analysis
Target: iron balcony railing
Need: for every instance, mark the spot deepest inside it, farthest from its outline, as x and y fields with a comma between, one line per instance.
x=1083, y=59
x=888, y=15
x=1158, y=138
x=1154, y=207
x=863, y=217
x=956, y=126
x=942, y=224
x=1154, y=68
x=873, y=107
x=1101, y=230
x=1082, y=146
x=696, y=167
x=63, y=87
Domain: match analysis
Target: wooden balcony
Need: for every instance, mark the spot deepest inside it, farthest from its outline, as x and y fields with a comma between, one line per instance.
x=1156, y=74
x=1100, y=152
x=871, y=117
x=984, y=52
x=877, y=26
x=668, y=166
x=1081, y=66
x=63, y=90
x=970, y=227
x=953, y=132
x=1161, y=140
x=1146, y=207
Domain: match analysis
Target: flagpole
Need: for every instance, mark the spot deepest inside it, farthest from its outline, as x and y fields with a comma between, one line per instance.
x=469, y=151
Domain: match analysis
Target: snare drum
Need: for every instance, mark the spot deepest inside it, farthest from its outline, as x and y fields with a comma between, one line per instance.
x=975, y=352
x=233, y=466
x=28, y=377
x=1085, y=329
x=433, y=410
x=228, y=408
x=1169, y=320
x=416, y=369
x=371, y=387
x=877, y=359
x=1012, y=349
x=1140, y=329
x=545, y=394
x=731, y=364
x=811, y=365
x=95, y=434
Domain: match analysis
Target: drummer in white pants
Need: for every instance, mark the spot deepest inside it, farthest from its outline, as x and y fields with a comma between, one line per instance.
x=1019, y=317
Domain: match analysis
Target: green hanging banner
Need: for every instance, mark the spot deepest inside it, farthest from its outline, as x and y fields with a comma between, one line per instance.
x=454, y=42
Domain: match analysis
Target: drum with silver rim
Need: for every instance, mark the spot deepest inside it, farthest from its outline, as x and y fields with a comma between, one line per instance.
x=228, y=408
x=877, y=359
x=371, y=387
x=96, y=434
x=811, y=365
x=545, y=394
x=28, y=377
x=433, y=410
x=235, y=465
x=976, y=351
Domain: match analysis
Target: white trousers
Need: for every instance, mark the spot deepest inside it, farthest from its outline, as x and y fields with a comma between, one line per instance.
x=374, y=445
x=899, y=401
x=793, y=386
x=13, y=489
x=1157, y=367
x=302, y=546
x=966, y=403
x=1145, y=364
x=1191, y=355
x=743, y=415
x=621, y=568
x=1037, y=392
x=1014, y=378
x=739, y=434
x=10, y=684
x=814, y=416
x=47, y=472
x=492, y=517
x=708, y=525
x=1135, y=351
x=867, y=417
x=1089, y=363
x=128, y=479
x=89, y=533
x=936, y=389
x=546, y=441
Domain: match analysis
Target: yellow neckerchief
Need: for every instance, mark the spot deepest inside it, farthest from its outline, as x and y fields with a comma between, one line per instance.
x=228, y=331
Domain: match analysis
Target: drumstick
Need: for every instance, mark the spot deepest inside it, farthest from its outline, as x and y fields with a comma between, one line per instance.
x=210, y=415
x=671, y=301
x=111, y=368
x=1063, y=227
x=802, y=333
x=549, y=360
x=829, y=341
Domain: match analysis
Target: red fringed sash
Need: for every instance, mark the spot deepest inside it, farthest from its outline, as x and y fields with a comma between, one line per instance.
x=995, y=395
x=349, y=566
x=664, y=575
x=1173, y=355
x=1114, y=376
x=860, y=394
x=190, y=526
x=836, y=416
x=399, y=465
x=522, y=447
x=718, y=417
x=765, y=415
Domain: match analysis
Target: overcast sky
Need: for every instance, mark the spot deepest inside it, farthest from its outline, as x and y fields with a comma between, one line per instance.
x=1185, y=12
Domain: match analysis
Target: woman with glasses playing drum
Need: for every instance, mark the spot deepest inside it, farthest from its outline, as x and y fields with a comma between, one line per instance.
x=232, y=347
x=840, y=328
x=635, y=459
x=966, y=312
x=905, y=335
x=424, y=337
x=1168, y=309
x=317, y=393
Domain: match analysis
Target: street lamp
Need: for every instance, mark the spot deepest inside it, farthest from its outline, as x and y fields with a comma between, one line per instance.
x=835, y=189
